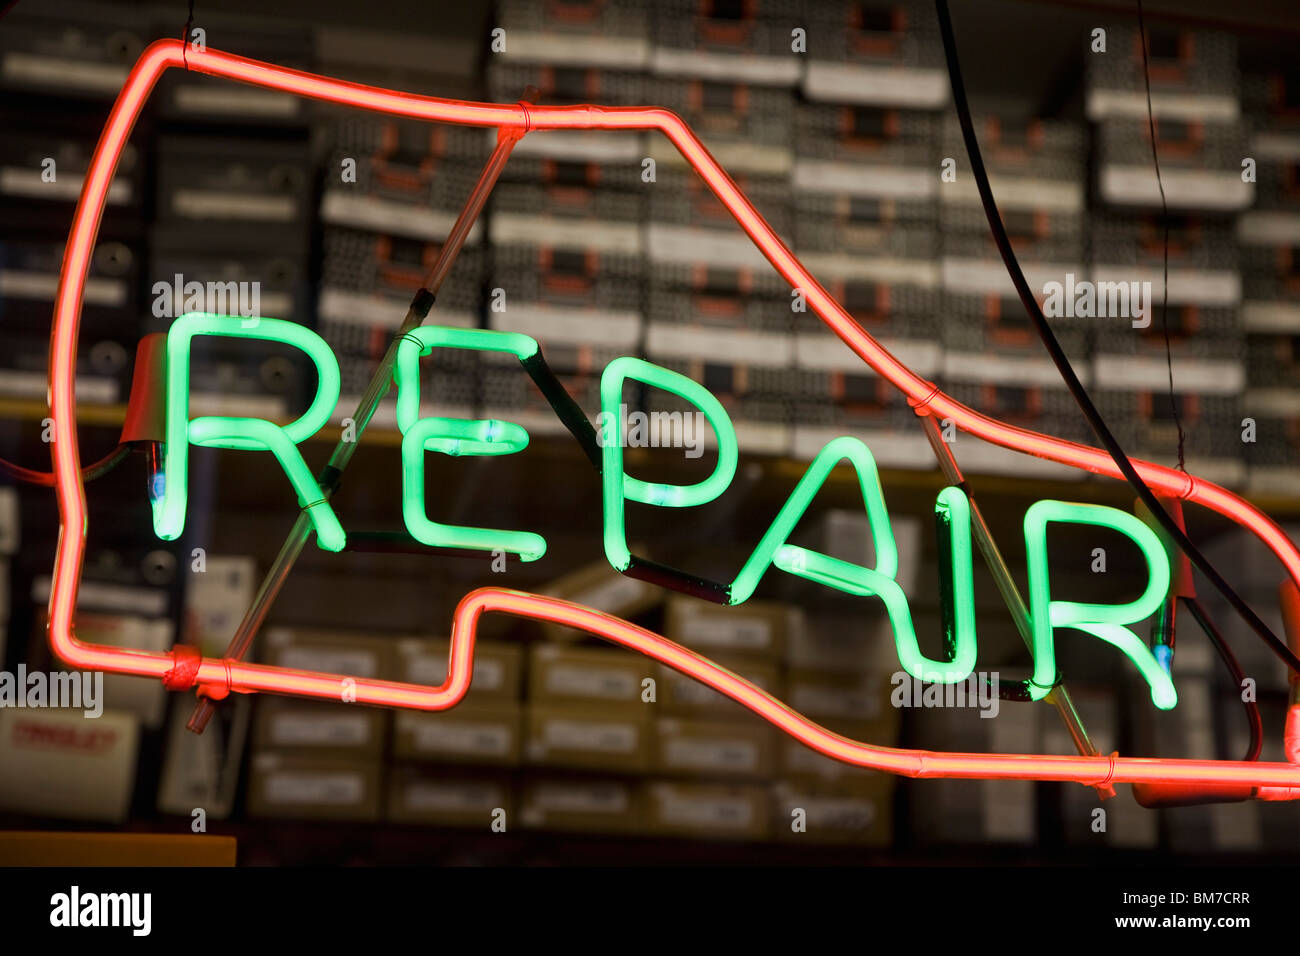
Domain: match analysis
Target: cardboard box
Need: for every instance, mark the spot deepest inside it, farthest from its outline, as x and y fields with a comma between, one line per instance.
x=317, y=728
x=481, y=732
x=861, y=812
x=416, y=795
x=203, y=770
x=708, y=811
x=60, y=763
x=348, y=653
x=589, y=737
x=312, y=788
x=840, y=696
x=583, y=805
x=679, y=694
x=217, y=599
x=498, y=666
x=599, y=586
x=608, y=675
x=147, y=699
x=755, y=627
x=713, y=748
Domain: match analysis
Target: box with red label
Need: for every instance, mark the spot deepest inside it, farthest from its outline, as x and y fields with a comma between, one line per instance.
x=1200, y=164
x=1203, y=256
x=1037, y=401
x=692, y=240
x=1037, y=171
x=861, y=404
x=718, y=314
x=756, y=397
x=1193, y=73
x=747, y=42
x=401, y=185
x=575, y=33
x=887, y=54
x=369, y=278
x=566, y=296
x=64, y=764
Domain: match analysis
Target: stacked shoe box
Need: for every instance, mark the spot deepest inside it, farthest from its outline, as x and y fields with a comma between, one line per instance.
x=1270, y=259
x=1123, y=824
x=232, y=221
x=994, y=360
x=52, y=113
x=717, y=311
x=988, y=812
x=392, y=191
x=568, y=265
x=866, y=182
x=1201, y=144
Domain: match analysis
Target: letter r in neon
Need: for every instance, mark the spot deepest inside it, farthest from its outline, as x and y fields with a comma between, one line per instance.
x=221, y=431
x=1106, y=621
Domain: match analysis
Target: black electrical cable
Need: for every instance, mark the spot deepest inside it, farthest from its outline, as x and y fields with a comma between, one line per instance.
x=1234, y=668
x=46, y=478
x=1164, y=218
x=1062, y=362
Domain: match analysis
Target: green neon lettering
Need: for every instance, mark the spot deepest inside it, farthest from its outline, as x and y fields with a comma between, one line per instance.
x=220, y=431
x=952, y=514
x=1106, y=621
x=617, y=487
x=455, y=436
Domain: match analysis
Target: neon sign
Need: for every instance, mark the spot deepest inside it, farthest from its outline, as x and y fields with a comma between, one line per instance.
x=452, y=436
x=183, y=668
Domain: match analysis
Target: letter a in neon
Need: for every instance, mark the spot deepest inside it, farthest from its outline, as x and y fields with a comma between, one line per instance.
x=952, y=512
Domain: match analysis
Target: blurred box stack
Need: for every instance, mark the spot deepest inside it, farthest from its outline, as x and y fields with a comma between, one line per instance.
x=588, y=738
x=60, y=66
x=1270, y=259
x=717, y=310
x=1201, y=142
x=392, y=191
x=453, y=768
x=1125, y=824
x=231, y=213
x=866, y=181
x=568, y=264
x=994, y=360
x=839, y=674
x=315, y=759
x=990, y=812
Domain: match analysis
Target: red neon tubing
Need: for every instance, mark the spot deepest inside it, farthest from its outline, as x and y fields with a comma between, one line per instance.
x=221, y=676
